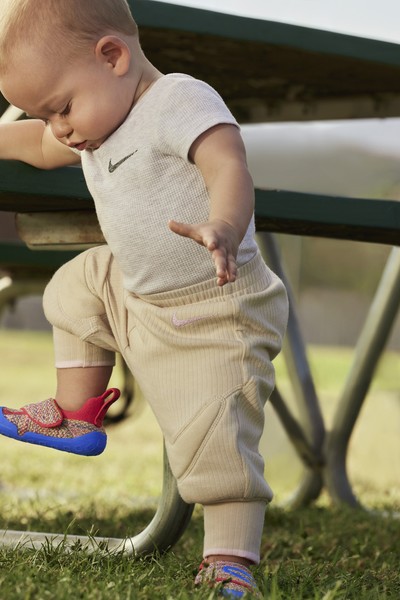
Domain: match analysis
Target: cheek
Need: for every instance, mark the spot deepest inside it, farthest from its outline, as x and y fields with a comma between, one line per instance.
x=87, y=122
x=97, y=115
x=101, y=117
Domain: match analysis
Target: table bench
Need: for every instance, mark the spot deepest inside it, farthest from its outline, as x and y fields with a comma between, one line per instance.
x=286, y=72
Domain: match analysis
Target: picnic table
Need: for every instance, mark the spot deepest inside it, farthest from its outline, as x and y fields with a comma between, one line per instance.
x=266, y=72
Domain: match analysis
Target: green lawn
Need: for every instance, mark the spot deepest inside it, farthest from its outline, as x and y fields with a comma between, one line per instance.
x=317, y=553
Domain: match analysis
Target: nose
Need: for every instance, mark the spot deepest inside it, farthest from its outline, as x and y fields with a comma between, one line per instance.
x=60, y=127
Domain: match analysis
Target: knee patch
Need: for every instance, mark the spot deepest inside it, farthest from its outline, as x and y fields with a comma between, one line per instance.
x=215, y=458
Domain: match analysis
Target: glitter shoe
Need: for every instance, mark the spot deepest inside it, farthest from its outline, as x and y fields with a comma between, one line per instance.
x=233, y=580
x=46, y=424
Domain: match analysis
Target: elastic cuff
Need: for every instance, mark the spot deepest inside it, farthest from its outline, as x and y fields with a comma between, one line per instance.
x=70, y=351
x=234, y=529
x=72, y=364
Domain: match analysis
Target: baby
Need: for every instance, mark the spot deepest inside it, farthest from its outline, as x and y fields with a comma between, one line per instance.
x=179, y=290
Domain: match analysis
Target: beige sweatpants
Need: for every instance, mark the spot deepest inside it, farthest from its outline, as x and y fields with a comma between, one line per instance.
x=202, y=357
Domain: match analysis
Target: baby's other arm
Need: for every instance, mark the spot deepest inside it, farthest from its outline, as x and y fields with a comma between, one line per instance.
x=31, y=141
x=220, y=155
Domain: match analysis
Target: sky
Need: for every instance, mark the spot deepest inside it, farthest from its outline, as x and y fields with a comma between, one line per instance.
x=378, y=19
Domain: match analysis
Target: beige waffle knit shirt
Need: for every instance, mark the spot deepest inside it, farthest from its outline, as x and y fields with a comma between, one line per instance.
x=141, y=177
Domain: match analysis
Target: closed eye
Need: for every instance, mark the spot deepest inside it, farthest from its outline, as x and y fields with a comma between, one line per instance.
x=66, y=110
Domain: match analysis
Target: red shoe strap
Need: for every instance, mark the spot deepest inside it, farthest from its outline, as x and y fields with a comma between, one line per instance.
x=94, y=409
x=115, y=394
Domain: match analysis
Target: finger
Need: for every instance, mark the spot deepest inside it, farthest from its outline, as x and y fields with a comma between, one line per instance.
x=226, y=268
x=186, y=230
x=231, y=268
x=221, y=281
x=210, y=241
x=221, y=266
x=183, y=229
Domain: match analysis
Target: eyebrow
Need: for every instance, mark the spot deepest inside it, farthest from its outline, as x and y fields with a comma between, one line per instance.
x=45, y=109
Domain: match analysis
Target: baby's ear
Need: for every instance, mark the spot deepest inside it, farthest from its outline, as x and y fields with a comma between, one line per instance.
x=115, y=52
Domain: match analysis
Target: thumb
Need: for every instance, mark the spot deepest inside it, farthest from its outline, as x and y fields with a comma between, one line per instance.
x=180, y=228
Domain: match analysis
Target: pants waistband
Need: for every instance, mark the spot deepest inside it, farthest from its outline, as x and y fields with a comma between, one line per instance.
x=253, y=274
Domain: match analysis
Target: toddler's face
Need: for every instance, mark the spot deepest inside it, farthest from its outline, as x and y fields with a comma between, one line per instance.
x=82, y=101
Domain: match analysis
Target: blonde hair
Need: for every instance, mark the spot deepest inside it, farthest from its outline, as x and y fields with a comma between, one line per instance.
x=72, y=24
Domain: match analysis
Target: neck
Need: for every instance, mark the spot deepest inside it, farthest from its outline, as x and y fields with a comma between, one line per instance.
x=146, y=81
x=144, y=73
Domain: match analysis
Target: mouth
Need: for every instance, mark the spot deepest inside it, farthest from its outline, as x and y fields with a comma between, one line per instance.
x=80, y=146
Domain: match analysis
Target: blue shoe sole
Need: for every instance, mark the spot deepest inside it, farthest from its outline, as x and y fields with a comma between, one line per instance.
x=90, y=444
x=231, y=594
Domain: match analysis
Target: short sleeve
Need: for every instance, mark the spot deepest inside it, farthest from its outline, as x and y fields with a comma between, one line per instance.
x=188, y=108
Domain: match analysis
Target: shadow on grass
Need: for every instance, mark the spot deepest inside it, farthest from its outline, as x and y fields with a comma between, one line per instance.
x=88, y=521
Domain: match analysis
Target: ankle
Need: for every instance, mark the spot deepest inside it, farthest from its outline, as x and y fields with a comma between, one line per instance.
x=228, y=558
x=75, y=385
x=94, y=409
x=75, y=400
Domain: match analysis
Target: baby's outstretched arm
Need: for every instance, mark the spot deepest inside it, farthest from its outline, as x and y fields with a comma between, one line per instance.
x=32, y=142
x=221, y=157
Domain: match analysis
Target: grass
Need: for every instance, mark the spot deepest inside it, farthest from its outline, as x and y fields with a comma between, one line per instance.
x=308, y=554
x=318, y=553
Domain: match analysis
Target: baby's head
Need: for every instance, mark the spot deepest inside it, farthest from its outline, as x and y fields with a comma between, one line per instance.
x=61, y=28
x=77, y=64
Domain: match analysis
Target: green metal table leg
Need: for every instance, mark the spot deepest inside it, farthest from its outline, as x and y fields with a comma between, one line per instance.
x=311, y=428
x=312, y=482
x=167, y=526
x=369, y=348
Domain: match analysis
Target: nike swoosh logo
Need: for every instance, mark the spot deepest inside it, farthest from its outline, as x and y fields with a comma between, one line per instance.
x=183, y=322
x=114, y=167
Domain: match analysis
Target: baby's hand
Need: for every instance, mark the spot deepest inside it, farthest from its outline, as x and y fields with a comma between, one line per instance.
x=220, y=238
